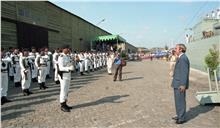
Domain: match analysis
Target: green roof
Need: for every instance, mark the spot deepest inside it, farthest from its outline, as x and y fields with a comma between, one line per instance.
x=109, y=38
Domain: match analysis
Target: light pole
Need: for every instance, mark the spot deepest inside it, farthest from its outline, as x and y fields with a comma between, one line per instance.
x=100, y=22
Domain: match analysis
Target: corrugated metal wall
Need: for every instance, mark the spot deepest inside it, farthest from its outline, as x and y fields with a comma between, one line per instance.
x=63, y=27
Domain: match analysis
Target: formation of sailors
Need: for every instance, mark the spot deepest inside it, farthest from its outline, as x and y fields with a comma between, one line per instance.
x=26, y=67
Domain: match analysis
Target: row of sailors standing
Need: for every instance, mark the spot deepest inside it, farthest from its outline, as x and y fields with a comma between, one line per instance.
x=14, y=66
x=35, y=65
x=23, y=67
x=83, y=61
x=26, y=67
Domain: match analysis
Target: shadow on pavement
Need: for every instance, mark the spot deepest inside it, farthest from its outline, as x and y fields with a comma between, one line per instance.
x=23, y=105
x=17, y=107
x=15, y=114
x=133, y=78
x=42, y=94
x=199, y=109
x=126, y=72
x=109, y=99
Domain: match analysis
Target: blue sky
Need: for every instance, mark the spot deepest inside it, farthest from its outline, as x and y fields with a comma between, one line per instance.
x=143, y=23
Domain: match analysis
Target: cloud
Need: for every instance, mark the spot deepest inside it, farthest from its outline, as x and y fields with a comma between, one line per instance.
x=165, y=30
x=182, y=18
x=142, y=32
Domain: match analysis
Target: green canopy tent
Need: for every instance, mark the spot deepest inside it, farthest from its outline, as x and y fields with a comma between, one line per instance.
x=110, y=39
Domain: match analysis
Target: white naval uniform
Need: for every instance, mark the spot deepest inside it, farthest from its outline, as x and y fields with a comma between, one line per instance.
x=4, y=76
x=87, y=61
x=76, y=61
x=48, y=56
x=33, y=66
x=16, y=68
x=55, y=62
x=100, y=60
x=94, y=61
x=41, y=63
x=25, y=72
x=104, y=59
x=110, y=60
x=81, y=63
x=11, y=72
x=97, y=61
x=91, y=61
x=65, y=66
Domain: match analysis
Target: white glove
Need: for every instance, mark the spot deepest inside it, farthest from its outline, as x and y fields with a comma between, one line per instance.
x=71, y=68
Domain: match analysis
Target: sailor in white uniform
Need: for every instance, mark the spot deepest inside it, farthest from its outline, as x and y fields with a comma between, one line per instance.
x=81, y=63
x=65, y=66
x=91, y=66
x=48, y=55
x=11, y=70
x=33, y=54
x=25, y=64
x=16, y=67
x=41, y=63
x=94, y=61
x=87, y=62
x=4, y=77
x=55, y=62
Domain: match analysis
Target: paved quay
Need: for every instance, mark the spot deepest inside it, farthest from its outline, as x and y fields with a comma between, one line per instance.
x=143, y=99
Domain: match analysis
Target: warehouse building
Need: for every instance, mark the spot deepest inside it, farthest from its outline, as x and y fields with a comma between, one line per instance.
x=42, y=23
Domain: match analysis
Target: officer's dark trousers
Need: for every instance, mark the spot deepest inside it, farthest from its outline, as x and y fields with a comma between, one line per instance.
x=180, y=104
x=118, y=71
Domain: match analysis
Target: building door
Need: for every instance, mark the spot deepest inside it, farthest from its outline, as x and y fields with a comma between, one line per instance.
x=29, y=35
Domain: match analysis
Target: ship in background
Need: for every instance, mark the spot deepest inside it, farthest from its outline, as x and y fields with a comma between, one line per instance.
x=204, y=34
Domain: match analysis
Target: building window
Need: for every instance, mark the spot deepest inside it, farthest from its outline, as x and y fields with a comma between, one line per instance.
x=24, y=12
x=21, y=12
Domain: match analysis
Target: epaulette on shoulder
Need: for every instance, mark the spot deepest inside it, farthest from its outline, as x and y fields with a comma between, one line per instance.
x=61, y=55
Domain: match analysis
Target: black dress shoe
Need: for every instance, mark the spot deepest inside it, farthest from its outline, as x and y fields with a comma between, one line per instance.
x=34, y=80
x=48, y=77
x=11, y=78
x=25, y=92
x=175, y=118
x=180, y=121
x=65, y=109
x=29, y=92
x=17, y=84
x=69, y=107
x=57, y=82
x=7, y=100
x=4, y=100
x=43, y=85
